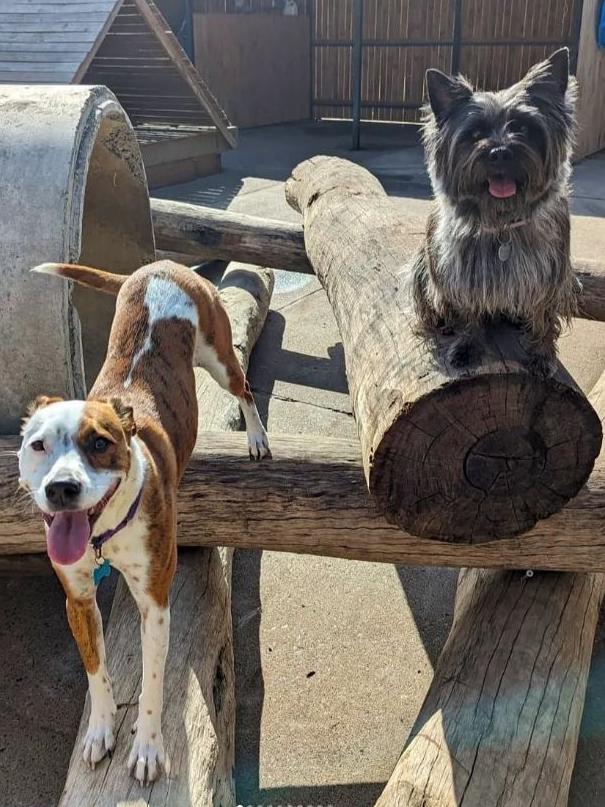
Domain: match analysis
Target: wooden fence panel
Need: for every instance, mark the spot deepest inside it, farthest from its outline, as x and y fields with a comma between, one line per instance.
x=402, y=38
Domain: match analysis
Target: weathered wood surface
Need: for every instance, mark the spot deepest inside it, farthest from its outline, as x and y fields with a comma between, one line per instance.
x=207, y=233
x=199, y=711
x=500, y=723
x=312, y=499
x=459, y=455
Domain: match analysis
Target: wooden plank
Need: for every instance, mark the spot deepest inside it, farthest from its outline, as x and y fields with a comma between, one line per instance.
x=49, y=42
x=258, y=65
x=48, y=77
x=591, y=79
x=52, y=26
x=20, y=58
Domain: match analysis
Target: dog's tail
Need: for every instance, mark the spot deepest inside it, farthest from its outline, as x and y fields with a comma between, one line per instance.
x=85, y=275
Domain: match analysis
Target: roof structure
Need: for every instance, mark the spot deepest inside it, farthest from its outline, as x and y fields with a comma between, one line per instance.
x=125, y=44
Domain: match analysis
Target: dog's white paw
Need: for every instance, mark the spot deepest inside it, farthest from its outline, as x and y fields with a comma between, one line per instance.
x=258, y=445
x=146, y=756
x=99, y=740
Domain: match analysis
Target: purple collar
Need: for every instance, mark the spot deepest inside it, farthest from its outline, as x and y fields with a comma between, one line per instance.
x=99, y=540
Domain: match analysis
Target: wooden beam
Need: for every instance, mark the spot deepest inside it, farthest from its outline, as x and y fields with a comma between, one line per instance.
x=312, y=498
x=500, y=722
x=207, y=233
x=459, y=454
x=199, y=712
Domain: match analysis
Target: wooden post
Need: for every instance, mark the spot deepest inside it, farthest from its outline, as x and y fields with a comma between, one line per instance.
x=448, y=454
x=315, y=501
x=500, y=722
x=199, y=711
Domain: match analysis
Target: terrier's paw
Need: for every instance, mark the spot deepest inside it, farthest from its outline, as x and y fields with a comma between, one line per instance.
x=146, y=756
x=100, y=739
x=258, y=446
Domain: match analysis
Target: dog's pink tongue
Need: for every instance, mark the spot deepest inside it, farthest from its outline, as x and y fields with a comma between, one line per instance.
x=502, y=188
x=67, y=537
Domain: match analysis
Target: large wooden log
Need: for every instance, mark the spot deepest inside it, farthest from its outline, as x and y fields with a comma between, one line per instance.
x=207, y=234
x=199, y=711
x=312, y=499
x=500, y=723
x=451, y=454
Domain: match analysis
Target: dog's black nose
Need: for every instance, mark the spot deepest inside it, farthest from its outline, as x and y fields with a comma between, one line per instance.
x=500, y=154
x=62, y=494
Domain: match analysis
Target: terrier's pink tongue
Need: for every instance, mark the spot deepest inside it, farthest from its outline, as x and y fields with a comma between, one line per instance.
x=502, y=188
x=67, y=537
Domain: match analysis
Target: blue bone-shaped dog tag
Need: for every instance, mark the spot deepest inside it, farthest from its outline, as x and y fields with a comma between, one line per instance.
x=101, y=571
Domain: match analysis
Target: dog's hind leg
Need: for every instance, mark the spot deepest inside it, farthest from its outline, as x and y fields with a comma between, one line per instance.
x=220, y=361
x=86, y=625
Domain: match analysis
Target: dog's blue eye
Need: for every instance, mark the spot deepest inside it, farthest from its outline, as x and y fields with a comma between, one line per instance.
x=100, y=444
x=37, y=445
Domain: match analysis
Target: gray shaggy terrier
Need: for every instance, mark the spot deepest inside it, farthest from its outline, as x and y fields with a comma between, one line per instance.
x=497, y=242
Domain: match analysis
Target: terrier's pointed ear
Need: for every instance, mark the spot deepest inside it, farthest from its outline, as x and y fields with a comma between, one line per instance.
x=446, y=92
x=551, y=77
x=126, y=415
x=40, y=402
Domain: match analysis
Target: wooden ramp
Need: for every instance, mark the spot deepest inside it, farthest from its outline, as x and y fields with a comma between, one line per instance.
x=127, y=46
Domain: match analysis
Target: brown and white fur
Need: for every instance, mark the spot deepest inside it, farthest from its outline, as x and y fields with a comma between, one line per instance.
x=136, y=430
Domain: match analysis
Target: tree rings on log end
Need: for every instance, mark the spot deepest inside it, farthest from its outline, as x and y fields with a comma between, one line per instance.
x=486, y=457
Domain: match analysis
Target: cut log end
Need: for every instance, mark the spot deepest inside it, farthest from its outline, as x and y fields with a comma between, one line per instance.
x=485, y=458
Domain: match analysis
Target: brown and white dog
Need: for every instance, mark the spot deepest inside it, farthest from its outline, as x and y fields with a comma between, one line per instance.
x=105, y=472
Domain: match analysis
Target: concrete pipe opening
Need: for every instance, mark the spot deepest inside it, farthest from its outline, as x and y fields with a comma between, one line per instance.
x=73, y=189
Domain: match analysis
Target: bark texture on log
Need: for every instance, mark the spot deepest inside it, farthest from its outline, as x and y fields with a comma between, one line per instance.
x=314, y=500
x=457, y=455
x=199, y=712
x=500, y=723
x=207, y=233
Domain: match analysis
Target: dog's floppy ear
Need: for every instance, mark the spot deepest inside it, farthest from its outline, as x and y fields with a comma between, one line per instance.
x=126, y=415
x=446, y=92
x=551, y=77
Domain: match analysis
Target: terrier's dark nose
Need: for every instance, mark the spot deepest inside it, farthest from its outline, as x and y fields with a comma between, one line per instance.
x=500, y=155
x=62, y=494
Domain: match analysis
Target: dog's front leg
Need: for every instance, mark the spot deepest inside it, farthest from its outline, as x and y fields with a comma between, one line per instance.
x=147, y=754
x=86, y=625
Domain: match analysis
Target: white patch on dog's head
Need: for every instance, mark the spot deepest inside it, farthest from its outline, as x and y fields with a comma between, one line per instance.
x=73, y=456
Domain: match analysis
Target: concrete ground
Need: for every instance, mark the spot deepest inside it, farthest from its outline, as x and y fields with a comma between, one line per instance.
x=333, y=657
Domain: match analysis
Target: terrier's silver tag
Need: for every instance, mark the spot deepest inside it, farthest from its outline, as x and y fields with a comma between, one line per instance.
x=504, y=251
